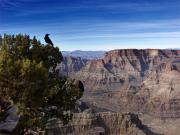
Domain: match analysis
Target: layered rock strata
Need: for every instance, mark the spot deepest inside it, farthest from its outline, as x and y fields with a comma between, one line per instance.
x=100, y=124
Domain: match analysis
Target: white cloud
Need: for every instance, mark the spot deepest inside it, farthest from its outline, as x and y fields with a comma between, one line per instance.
x=129, y=35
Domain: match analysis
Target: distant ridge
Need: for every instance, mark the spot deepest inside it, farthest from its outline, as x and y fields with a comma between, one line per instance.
x=173, y=48
x=90, y=55
x=85, y=54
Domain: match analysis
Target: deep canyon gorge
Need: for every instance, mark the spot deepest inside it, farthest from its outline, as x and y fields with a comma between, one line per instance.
x=143, y=82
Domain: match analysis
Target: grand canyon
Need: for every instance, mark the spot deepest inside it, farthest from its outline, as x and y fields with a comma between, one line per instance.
x=89, y=67
x=140, y=87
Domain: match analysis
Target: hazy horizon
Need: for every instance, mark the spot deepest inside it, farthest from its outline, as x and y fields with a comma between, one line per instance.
x=95, y=24
x=119, y=49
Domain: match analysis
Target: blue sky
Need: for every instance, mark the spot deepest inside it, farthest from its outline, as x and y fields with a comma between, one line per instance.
x=95, y=24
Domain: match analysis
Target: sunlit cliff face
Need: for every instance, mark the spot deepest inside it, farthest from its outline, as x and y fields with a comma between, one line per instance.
x=153, y=52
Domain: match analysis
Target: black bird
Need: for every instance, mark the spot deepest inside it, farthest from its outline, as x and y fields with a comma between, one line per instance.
x=48, y=40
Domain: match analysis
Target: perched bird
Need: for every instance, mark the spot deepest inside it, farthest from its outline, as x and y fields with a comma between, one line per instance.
x=48, y=40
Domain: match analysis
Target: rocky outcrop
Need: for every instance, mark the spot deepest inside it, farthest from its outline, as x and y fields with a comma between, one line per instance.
x=106, y=123
x=11, y=120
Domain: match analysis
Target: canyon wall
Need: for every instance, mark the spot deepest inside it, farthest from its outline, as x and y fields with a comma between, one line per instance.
x=106, y=123
x=141, y=81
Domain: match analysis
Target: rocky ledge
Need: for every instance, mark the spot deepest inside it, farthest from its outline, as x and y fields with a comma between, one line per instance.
x=104, y=123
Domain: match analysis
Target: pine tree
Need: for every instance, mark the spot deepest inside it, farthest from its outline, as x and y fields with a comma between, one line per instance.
x=25, y=80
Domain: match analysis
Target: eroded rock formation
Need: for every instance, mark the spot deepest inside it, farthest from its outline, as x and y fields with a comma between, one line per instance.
x=134, y=80
x=106, y=123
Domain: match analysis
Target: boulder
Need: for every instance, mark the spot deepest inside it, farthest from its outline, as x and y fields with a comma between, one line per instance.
x=11, y=120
